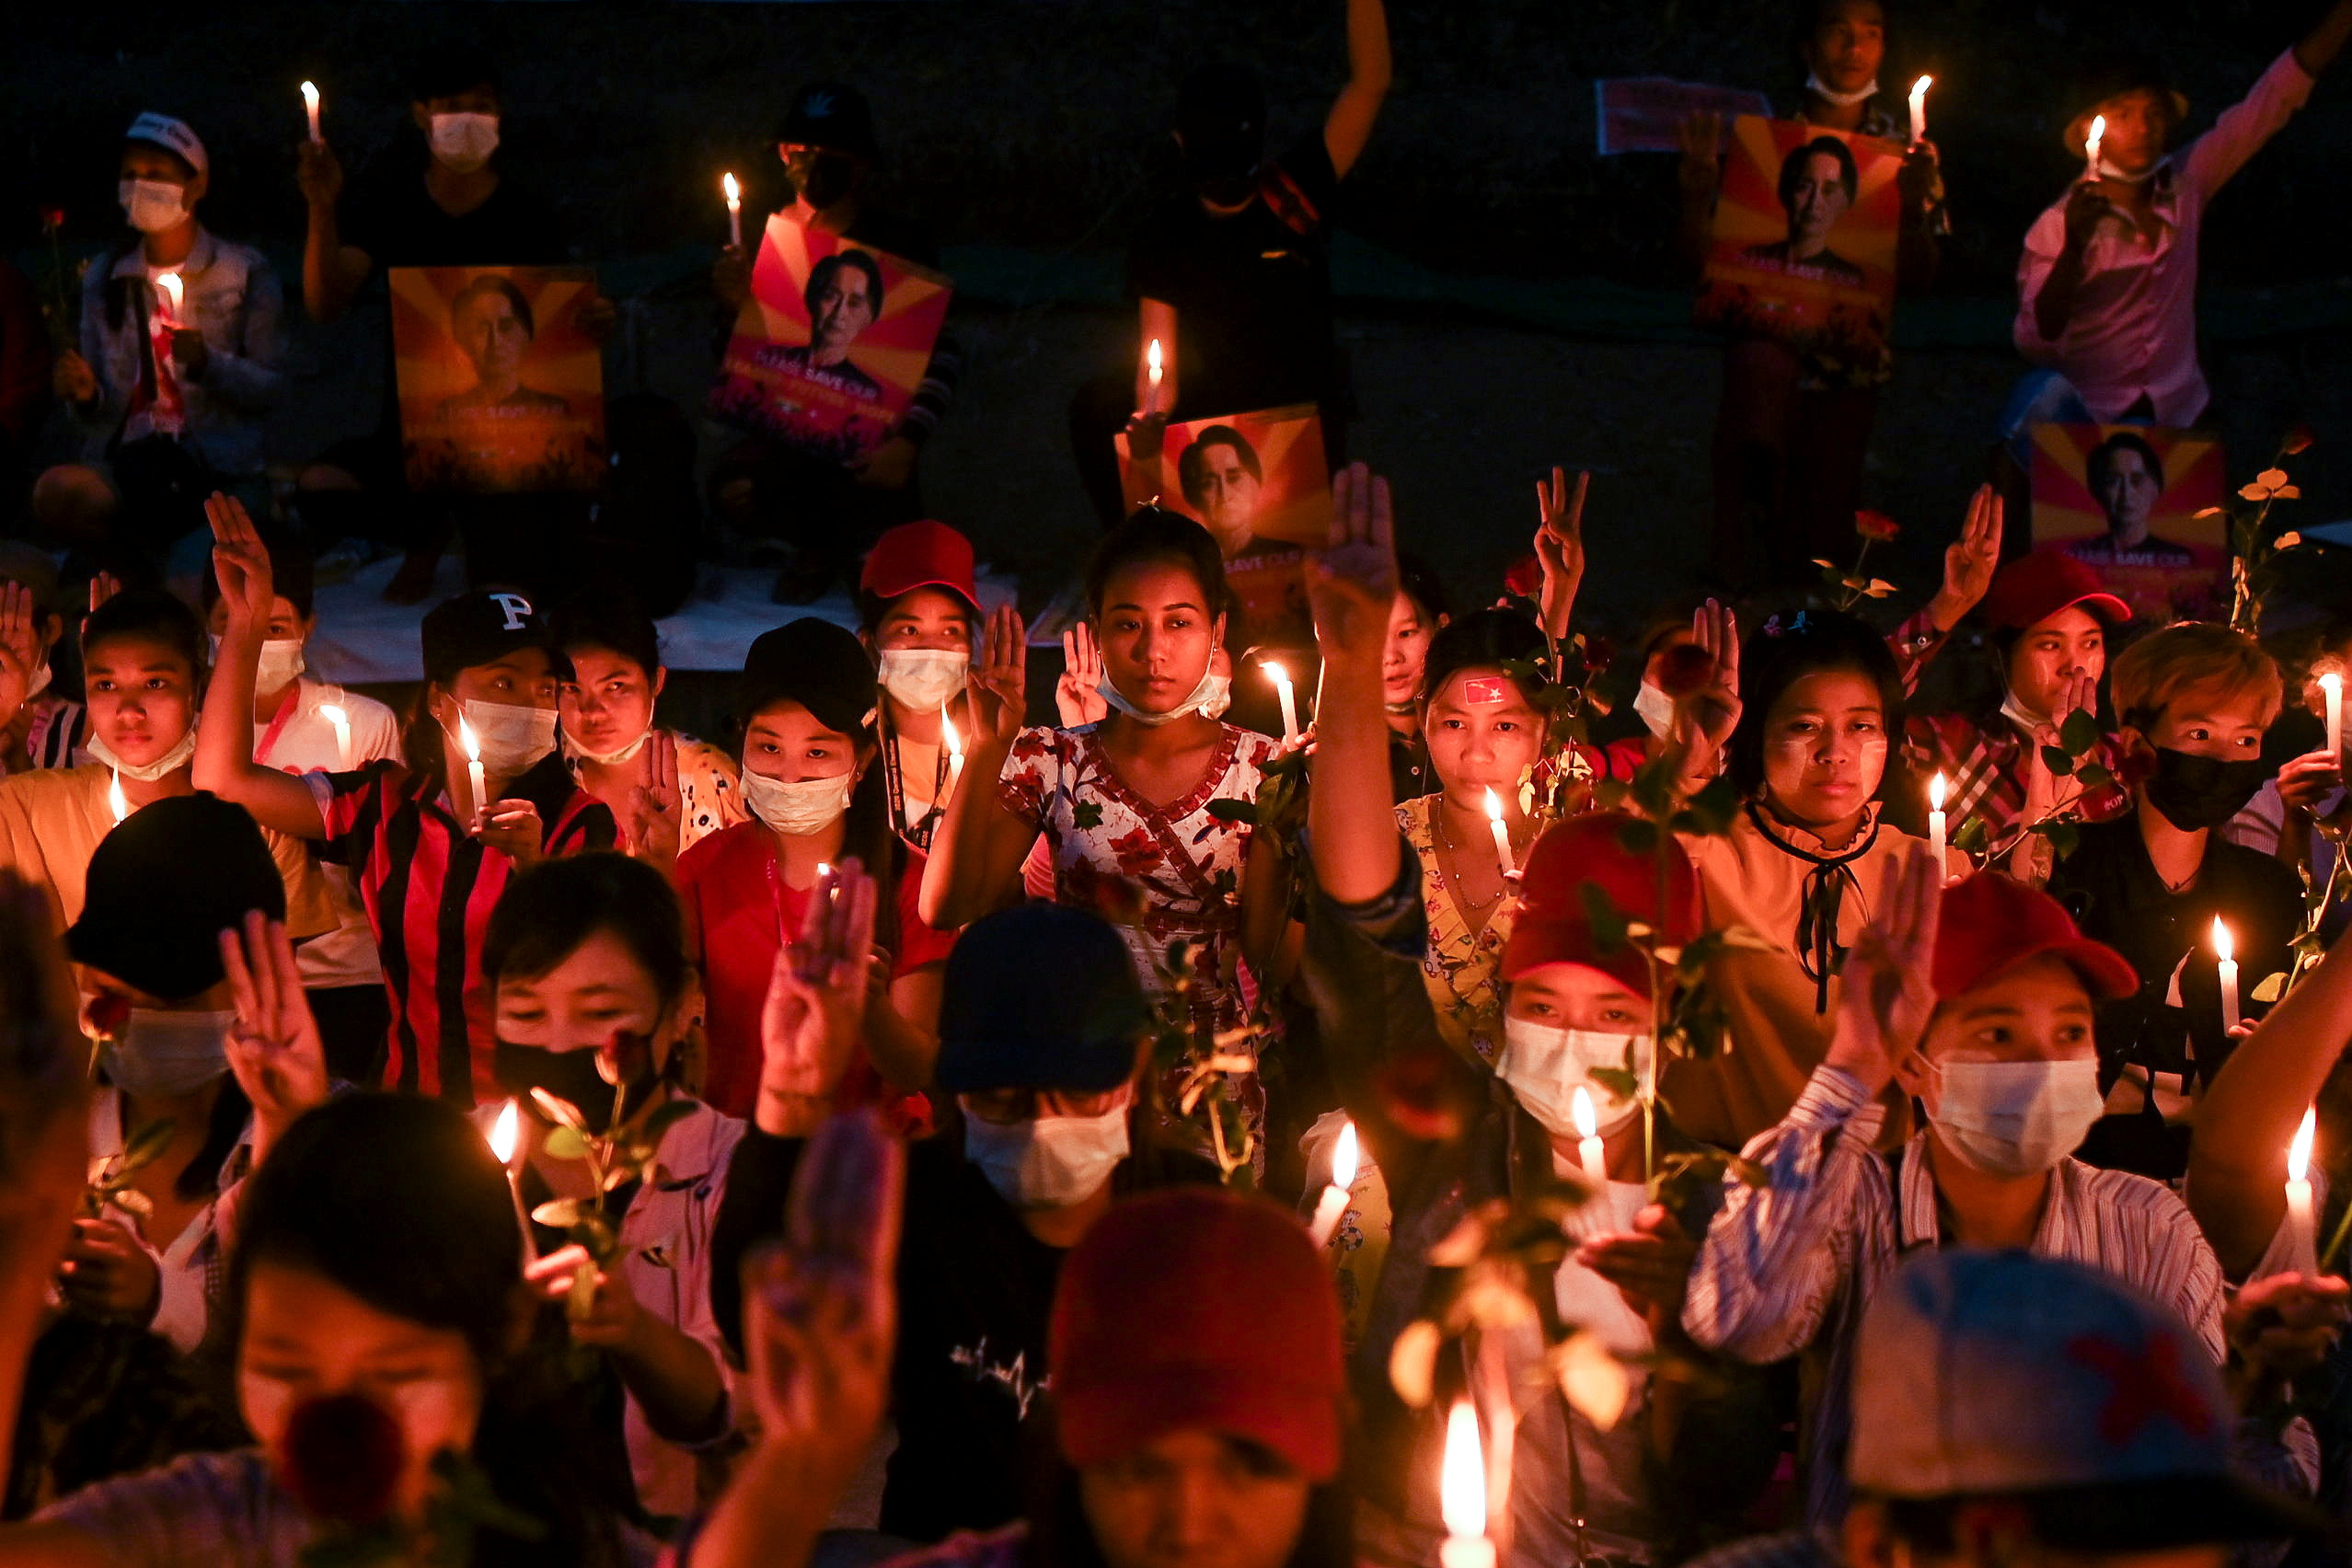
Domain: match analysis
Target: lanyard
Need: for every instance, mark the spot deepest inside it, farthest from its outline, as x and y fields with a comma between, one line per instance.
x=286, y=707
x=917, y=831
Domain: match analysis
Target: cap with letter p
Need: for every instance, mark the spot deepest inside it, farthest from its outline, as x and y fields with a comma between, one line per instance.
x=481, y=627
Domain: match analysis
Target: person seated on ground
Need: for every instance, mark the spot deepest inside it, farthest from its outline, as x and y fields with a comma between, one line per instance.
x=41, y=725
x=816, y=799
x=919, y=612
x=667, y=790
x=177, y=363
x=1975, y=1002
x=2193, y=701
x=2106, y=288
x=2006, y=1410
x=433, y=838
x=1044, y=1045
x=596, y=1007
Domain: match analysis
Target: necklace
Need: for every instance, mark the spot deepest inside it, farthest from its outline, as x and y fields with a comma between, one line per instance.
x=1445, y=834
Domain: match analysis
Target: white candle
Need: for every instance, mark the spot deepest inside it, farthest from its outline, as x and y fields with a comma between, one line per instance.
x=1461, y=1494
x=335, y=715
x=1281, y=678
x=114, y=801
x=1502, y=834
x=2301, y=1238
x=954, y=750
x=473, y=767
x=2331, y=689
x=1151, y=362
x=734, y=211
x=310, y=103
x=169, y=285
x=505, y=1136
x=2228, y=970
x=1919, y=109
x=1589, y=1152
x=1332, y=1207
x=2098, y=134
x=1936, y=790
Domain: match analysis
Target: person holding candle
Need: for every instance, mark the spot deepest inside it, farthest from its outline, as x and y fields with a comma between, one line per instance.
x=2301, y=815
x=920, y=610
x=2194, y=701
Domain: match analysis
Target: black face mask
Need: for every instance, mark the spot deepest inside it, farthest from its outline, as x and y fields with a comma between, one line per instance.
x=569, y=1075
x=2197, y=792
x=822, y=179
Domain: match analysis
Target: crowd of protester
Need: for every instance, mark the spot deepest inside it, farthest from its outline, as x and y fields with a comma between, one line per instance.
x=1552, y=1104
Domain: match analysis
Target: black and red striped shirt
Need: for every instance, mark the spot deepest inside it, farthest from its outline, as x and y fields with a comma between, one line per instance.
x=428, y=888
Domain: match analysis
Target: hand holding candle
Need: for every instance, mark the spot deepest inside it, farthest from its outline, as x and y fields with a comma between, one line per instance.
x=507, y=1137
x=2331, y=686
x=1589, y=1152
x=734, y=211
x=2090, y=147
x=2227, y=968
x=473, y=770
x=1461, y=1494
x=1281, y=678
x=2302, y=1246
x=1919, y=109
x=310, y=104
x=1937, y=789
x=1501, y=834
x=1332, y=1207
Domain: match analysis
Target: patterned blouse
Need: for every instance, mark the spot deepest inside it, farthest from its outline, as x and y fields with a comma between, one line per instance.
x=1461, y=971
x=710, y=794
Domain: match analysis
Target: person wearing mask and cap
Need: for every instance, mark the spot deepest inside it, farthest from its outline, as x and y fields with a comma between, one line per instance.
x=920, y=612
x=172, y=379
x=829, y=148
x=41, y=726
x=1230, y=271
x=1043, y=1042
x=429, y=850
x=816, y=798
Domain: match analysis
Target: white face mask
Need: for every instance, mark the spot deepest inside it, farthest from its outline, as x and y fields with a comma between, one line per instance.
x=2016, y=1118
x=1656, y=708
x=608, y=759
x=464, y=142
x=809, y=805
x=1820, y=89
x=513, y=738
x=154, y=206
x=924, y=679
x=281, y=666
x=1545, y=1065
x=1219, y=697
x=162, y=1055
x=1212, y=687
x=183, y=752
x=1051, y=1162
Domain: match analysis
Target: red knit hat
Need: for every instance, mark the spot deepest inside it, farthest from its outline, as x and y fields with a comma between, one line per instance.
x=1992, y=923
x=1552, y=925
x=919, y=554
x=1197, y=1308
x=2033, y=588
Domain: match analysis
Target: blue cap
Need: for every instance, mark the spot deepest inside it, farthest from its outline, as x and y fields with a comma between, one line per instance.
x=1040, y=997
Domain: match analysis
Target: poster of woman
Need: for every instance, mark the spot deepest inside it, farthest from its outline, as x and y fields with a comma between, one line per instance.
x=2124, y=501
x=501, y=387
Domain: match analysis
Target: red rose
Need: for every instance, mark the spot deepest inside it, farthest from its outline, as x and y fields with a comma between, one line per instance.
x=53, y=219
x=2297, y=439
x=1525, y=578
x=108, y=1013
x=1137, y=852
x=1685, y=669
x=343, y=1455
x=1876, y=525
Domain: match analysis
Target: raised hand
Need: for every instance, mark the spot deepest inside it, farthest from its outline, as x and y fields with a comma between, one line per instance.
x=1560, y=546
x=1888, y=993
x=20, y=652
x=1970, y=560
x=999, y=686
x=1077, y=695
x=813, y=1020
x=274, y=1048
x=654, y=808
x=320, y=173
x=1351, y=578
x=1705, y=718
x=240, y=563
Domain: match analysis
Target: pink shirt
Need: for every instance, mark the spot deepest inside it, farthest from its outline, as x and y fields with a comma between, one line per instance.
x=2134, y=329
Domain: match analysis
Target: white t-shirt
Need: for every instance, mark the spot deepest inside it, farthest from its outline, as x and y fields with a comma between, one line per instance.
x=305, y=743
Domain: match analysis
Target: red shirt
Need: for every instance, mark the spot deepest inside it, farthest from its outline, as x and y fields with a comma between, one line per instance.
x=738, y=909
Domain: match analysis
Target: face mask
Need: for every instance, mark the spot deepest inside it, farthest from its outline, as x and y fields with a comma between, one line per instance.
x=154, y=206
x=513, y=738
x=605, y=759
x=40, y=679
x=180, y=755
x=822, y=179
x=162, y=1055
x=1210, y=686
x=1656, y=708
x=1819, y=89
x=924, y=679
x=1219, y=697
x=282, y=663
x=1545, y=1067
x=571, y=1076
x=464, y=142
x=1049, y=1163
x=2196, y=792
x=2016, y=1118
x=810, y=805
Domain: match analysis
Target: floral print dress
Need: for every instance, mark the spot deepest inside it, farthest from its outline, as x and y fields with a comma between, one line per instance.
x=1462, y=972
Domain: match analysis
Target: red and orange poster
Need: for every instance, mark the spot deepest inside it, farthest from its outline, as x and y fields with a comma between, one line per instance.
x=1805, y=239
x=832, y=345
x=2123, y=499
x=500, y=385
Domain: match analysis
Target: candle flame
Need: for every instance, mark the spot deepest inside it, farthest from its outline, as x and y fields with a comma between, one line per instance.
x=506, y=1131
x=1587, y=1122
x=1461, y=1483
x=1274, y=671
x=1919, y=89
x=310, y=95
x=2332, y=682
x=2222, y=948
x=465, y=738
x=1494, y=806
x=823, y=869
x=1936, y=787
x=114, y=800
x=1344, y=1157
x=947, y=733
x=2098, y=134
x=735, y=192
x=333, y=714
x=2298, y=1153
x=1151, y=358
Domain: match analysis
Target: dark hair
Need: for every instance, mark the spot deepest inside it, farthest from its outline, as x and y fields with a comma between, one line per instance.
x=821, y=278
x=148, y=612
x=546, y=914
x=448, y=68
x=1811, y=14
x=1778, y=656
x=872, y=607
x=1484, y=640
x=1792, y=168
x=292, y=572
x=2099, y=466
x=612, y=619
x=1419, y=581
x=1155, y=534
x=1192, y=469
x=490, y=284
x=1061, y=1537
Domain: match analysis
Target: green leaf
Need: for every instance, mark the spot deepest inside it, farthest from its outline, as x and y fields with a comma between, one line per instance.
x=2094, y=776
x=1972, y=837
x=2079, y=733
x=557, y=1213
x=2273, y=986
x=566, y=1143
x=1652, y=789
x=1228, y=810
x=1607, y=925
x=143, y=1146
x=1617, y=1080
x=1715, y=806
x=2063, y=836
x=561, y=1111
x=2058, y=761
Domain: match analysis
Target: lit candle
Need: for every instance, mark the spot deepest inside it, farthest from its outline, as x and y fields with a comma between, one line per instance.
x=1332, y=1207
x=473, y=766
x=2331, y=689
x=1281, y=678
x=2098, y=134
x=169, y=285
x=310, y=102
x=954, y=750
x=505, y=1137
x=2301, y=1246
x=1502, y=834
x=1151, y=362
x=1461, y=1494
x=114, y=801
x=734, y=211
x=2228, y=969
x=1919, y=109
x=1588, y=1145
x=1936, y=789
x=334, y=715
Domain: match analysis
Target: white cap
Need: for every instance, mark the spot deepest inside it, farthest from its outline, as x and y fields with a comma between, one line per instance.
x=172, y=135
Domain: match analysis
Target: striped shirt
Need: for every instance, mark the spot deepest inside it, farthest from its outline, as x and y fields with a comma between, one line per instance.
x=428, y=888
x=1787, y=1268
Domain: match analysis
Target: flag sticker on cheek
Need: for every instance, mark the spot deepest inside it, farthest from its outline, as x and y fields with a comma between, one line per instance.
x=1489, y=689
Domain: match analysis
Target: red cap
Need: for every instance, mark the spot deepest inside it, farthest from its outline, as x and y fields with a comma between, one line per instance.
x=1552, y=925
x=1197, y=1308
x=2034, y=587
x=1992, y=923
x=919, y=554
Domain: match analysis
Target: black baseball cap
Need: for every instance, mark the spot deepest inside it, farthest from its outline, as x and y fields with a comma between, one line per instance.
x=481, y=627
x=832, y=115
x=1040, y=995
x=820, y=666
x=163, y=885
